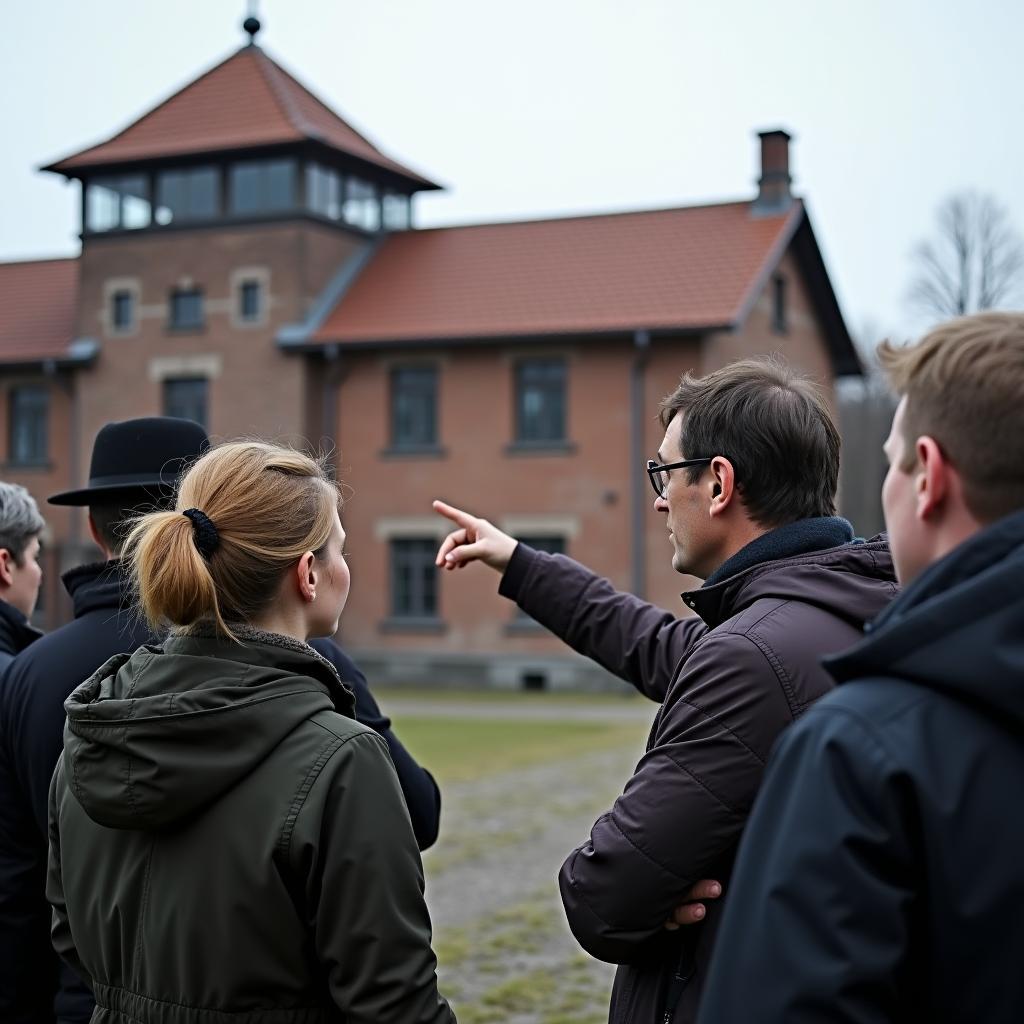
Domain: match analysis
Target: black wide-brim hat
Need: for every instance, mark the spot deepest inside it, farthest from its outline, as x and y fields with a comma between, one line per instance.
x=136, y=460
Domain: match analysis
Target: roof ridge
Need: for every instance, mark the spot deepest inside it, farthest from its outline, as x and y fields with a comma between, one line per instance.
x=557, y=219
x=269, y=69
x=279, y=69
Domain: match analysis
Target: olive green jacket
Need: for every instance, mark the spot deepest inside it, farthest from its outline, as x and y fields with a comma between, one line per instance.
x=227, y=845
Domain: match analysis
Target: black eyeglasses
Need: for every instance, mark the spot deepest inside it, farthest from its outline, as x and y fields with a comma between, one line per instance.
x=658, y=474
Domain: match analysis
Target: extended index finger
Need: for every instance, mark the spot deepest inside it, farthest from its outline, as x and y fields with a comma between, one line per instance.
x=456, y=515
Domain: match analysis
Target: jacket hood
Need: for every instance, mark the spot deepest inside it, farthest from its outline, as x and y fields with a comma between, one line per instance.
x=853, y=581
x=156, y=736
x=958, y=628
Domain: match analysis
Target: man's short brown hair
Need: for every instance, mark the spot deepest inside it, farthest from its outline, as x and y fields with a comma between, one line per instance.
x=773, y=426
x=964, y=386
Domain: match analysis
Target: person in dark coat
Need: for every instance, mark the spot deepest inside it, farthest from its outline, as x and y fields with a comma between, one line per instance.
x=135, y=466
x=880, y=876
x=226, y=840
x=746, y=475
x=20, y=575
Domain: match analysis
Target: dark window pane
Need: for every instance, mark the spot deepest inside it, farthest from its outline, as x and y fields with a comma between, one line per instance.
x=28, y=409
x=186, y=398
x=186, y=309
x=413, y=578
x=540, y=400
x=413, y=406
x=122, y=313
x=262, y=186
x=249, y=300
x=245, y=188
x=280, y=184
x=187, y=195
x=202, y=194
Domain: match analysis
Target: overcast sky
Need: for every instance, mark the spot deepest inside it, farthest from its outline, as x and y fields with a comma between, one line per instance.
x=570, y=106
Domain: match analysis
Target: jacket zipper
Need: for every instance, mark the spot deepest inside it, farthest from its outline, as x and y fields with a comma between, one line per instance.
x=685, y=970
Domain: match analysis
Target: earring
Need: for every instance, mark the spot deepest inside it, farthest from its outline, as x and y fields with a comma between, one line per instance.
x=312, y=595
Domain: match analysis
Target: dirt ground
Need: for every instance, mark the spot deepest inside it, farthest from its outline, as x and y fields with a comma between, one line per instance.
x=505, y=953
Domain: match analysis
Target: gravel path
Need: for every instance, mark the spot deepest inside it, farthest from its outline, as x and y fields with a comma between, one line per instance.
x=505, y=953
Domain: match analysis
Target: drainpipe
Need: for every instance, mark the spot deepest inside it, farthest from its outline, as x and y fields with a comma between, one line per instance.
x=638, y=457
x=72, y=388
x=333, y=374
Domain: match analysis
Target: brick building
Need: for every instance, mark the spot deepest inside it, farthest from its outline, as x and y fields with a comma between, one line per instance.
x=250, y=261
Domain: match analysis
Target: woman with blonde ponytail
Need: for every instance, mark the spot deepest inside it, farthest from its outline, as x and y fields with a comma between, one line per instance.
x=226, y=842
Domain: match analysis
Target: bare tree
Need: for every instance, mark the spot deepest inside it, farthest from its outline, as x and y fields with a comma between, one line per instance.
x=976, y=261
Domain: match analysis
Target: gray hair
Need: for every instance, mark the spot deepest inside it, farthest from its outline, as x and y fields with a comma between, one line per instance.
x=20, y=520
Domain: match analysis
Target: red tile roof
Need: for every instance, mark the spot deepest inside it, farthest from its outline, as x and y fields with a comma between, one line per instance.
x=246, y=101
x=689, y=268
x=37, y=310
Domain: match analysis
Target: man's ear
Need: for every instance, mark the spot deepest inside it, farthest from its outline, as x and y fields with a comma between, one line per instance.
x=722, y=484
x=97, y=537
x=6, y=561
x=931, y=477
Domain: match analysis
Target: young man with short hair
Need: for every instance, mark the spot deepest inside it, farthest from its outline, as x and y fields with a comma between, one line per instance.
x=20, y=574
x=880, y=875
x=746, y=477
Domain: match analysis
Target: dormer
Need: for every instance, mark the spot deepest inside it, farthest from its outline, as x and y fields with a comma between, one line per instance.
x=243, y=143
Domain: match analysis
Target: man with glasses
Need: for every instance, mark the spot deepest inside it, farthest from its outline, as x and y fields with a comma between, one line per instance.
x=880, y=877
x=746, y=477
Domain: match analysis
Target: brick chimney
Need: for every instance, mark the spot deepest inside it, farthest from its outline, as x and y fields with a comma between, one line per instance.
x=773, y=195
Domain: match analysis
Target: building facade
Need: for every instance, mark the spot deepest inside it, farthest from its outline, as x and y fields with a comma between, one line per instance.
x=261, y=273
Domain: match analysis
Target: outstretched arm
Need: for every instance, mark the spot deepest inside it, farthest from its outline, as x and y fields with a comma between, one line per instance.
x=636, y=641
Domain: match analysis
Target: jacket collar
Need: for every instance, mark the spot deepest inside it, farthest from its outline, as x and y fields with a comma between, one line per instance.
x=98, y=585
x=16, y=632
x=956, y=628
x=262, y=648
x=720, y=594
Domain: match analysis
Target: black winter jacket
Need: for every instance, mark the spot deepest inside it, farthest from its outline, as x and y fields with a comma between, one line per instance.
x=16, y=633
x=880, y=877
x=32, y=695
x=729, y=682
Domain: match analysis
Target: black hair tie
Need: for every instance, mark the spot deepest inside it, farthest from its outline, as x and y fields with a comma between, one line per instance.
x=204, y=533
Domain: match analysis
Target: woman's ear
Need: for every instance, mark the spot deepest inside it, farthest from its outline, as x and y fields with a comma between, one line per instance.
x=307, y=576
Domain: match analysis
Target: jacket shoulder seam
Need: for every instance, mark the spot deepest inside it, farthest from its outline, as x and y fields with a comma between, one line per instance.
x=299, y=799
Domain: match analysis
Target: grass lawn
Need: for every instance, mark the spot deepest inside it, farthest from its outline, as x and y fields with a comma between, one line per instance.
x=528, y=698
x=461, y=749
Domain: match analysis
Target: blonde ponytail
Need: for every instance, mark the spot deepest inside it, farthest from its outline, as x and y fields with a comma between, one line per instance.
x=263, y=505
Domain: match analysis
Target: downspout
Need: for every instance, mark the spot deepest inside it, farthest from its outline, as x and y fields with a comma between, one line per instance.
x=73, y=391
x=638, y=456
x=333, y=375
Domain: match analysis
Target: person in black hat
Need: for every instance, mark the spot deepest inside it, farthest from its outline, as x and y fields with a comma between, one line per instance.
x=135, y=468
